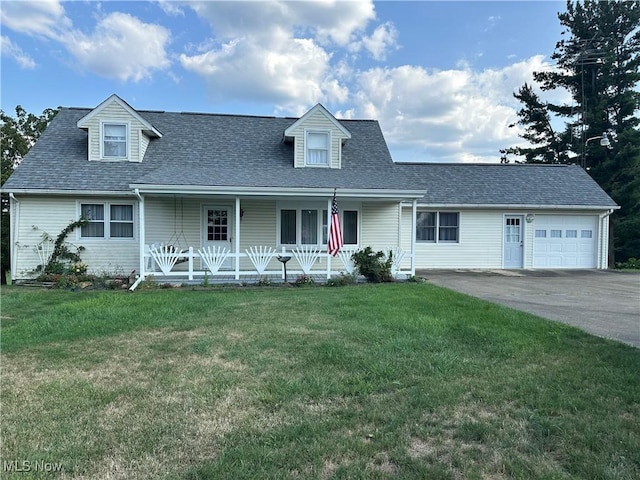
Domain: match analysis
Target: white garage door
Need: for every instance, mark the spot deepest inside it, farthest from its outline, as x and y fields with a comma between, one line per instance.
x=565, y=241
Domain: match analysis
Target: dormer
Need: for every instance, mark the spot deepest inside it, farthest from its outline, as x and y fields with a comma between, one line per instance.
x=317, y=139
x=116, y=132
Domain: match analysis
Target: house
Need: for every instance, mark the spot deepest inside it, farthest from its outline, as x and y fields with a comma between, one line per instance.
x=184, y=195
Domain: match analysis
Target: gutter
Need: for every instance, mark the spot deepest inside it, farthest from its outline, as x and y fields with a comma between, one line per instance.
x=77, y=193
x=322, y=192
x=512, y=206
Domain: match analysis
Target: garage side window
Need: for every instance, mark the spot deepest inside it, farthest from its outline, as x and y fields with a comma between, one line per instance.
x=438, y=227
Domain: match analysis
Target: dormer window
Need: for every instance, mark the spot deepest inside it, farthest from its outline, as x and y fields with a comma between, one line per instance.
x=114, y=140
x=317, y=148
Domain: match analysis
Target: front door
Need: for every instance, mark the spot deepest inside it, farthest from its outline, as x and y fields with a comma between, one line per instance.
x=218, y=229
x=513, y=244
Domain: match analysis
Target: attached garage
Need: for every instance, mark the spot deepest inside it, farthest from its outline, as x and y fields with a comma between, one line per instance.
x=565, y=241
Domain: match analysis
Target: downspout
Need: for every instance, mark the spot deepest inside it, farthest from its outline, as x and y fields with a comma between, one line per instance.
x=604, y=239
x=141, y=239
x=14, y=209
x=414, y=214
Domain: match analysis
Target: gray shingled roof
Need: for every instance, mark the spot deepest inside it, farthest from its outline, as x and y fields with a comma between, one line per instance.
x=248, y=151
x=204, y=150
x=511, y=184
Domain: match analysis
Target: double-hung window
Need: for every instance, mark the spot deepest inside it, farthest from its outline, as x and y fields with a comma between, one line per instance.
x=317, y=148
x=114, y=140
x=438, y=227
x=107, y=220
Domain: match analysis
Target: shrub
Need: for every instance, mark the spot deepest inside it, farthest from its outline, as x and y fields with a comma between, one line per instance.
x=631, y=264
x=302, y=280
x=342, y=280
x=373, y=266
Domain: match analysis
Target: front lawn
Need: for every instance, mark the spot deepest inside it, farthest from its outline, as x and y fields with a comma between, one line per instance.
x=371, y=381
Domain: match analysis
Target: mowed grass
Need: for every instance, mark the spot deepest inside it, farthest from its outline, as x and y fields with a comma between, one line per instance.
x=372, y=381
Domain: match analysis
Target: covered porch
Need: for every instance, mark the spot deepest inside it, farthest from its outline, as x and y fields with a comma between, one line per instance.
x=227, y=235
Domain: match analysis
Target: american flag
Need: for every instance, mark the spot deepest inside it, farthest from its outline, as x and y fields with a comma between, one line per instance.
x=335, y=230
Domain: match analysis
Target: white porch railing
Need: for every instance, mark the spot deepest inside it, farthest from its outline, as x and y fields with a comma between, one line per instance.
x=168, y=263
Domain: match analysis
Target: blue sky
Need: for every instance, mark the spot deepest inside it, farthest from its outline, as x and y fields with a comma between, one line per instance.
x=439, y=76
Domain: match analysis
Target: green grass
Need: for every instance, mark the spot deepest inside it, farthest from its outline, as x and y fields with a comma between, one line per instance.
x=374, y=381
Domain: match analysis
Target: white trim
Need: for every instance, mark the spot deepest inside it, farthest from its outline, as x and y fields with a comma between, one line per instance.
x=141, y=234
x=414, y=225
x=127, y=125
x=436, y=233
x=523, y=244
x=289, y=132
x=237, y=235
x=329, y=147
x=14, y=237
x=107, y=221
x=75, y=193
x=514, y=206
x=278, y=191
x=150, y=130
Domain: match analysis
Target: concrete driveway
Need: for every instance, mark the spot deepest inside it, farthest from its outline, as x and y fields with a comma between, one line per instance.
x=603, y=303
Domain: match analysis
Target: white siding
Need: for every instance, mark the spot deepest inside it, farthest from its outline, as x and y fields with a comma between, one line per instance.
x=52, y=214
x=318, y=121
x=481, y=237
x=380, y=225
x=479, y=246
x=115, y=113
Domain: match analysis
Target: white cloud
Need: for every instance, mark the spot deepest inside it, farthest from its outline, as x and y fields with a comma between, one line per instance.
x=325, y=21
x=280, y=52
x=40, y=18
x=290, y=74
x=383, y=38
x=444, y=115
x=120, y=47
x=11, y=50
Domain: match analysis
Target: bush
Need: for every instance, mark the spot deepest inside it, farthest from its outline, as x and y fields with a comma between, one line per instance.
x=373, y=266
x=631, y=264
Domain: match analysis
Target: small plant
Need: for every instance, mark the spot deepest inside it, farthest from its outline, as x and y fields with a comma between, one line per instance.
x=342, y=280
x=414, y=279
x=205, y=280
x=373, y=266
x=302, y=280
x=263, y=282
x=78, y=268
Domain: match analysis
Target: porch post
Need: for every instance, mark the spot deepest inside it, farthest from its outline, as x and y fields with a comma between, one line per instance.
x=328, y=229
x=414, y=212
x=237, y=236
x=141, y=236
